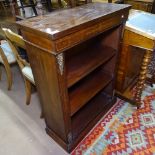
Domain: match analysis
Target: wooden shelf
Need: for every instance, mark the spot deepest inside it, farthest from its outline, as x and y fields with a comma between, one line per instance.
x=87, y=88
x=86, y=61
x=86, y=114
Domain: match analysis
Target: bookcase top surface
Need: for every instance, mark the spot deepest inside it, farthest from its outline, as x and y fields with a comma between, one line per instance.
x=62, y=22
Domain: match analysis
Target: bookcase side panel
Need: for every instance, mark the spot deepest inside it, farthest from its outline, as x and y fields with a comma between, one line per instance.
x=49, y=82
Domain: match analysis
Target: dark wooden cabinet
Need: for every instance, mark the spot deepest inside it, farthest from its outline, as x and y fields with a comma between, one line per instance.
x=144, y=5
x=153, y=7
x=129, y=67
x=73, y=55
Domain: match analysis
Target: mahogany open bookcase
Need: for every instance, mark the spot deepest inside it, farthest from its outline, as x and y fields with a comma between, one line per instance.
x=73, y=59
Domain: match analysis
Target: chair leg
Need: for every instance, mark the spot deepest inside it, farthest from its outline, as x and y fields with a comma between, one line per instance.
x=28, y=91
x=28, y=95
x=42, y=114
x=9, y=75
x=3, y=6
x=7, y=68
x=33, y=7
x=22, y=7
x=0, y=72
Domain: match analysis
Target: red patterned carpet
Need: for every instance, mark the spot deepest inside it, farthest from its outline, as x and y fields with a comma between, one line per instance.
x=123, y=131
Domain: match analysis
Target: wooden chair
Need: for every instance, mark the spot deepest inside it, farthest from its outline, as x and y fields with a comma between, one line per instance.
x=30, y=4
x=15, y=41
x=6, y=59
x=2, y=4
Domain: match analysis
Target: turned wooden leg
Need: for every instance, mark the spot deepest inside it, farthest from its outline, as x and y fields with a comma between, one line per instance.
x=28, y=91
x=142, y=77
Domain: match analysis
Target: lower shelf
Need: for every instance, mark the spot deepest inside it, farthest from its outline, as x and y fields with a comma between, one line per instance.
x=101, y=103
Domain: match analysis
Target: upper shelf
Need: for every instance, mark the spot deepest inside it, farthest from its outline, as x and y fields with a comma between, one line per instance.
x=86, y=61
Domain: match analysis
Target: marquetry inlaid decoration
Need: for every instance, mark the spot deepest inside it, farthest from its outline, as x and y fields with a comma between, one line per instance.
x=60, y=62
x=86, y=33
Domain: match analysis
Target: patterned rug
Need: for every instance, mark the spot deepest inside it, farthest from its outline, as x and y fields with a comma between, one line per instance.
x=124, y=130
